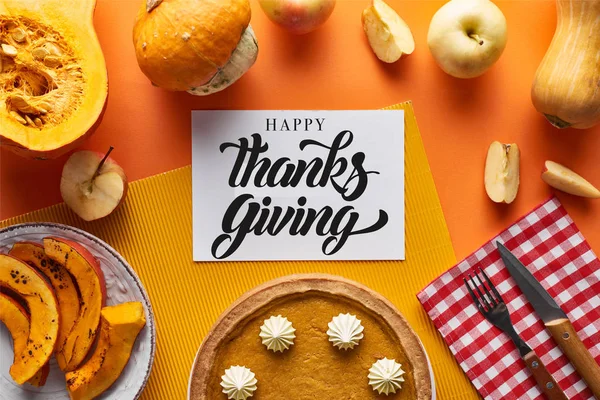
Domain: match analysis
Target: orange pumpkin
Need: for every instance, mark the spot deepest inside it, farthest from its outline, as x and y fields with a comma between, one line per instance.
x=52, y=74
x=199, y=46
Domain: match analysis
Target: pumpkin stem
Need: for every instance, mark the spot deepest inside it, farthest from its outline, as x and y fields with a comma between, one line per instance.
x=557, y=122
x=152, y=4
x=102, y=163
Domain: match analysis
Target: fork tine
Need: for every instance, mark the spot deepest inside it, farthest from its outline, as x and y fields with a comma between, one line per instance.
x=482, y=298
x=492, y=299
x=492, y=286
x=473, y=296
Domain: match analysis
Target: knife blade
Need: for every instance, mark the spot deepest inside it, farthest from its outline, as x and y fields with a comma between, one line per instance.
x=555, y=320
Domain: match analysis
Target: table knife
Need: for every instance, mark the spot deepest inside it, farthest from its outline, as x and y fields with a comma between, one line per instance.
x=555, y=320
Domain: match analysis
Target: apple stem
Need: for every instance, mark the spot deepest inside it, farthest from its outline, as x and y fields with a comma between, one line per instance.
x=476, y=38
x=102, y=163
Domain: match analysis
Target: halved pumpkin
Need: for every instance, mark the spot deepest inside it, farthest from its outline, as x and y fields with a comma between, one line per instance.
x=88, y=276
x=61, y=281
x=16, y=319
x=53, y=80
x=119, y=328
x=27, y=283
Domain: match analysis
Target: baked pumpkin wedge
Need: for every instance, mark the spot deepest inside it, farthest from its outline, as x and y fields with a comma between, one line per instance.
x=61, y=281
x=53, y=79
x=16, y=319
x=88, y=276
x=39, y=297
x=119, y=328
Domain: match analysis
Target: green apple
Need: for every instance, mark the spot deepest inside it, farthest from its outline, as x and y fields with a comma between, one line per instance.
x=298, y=16
x=466, y=37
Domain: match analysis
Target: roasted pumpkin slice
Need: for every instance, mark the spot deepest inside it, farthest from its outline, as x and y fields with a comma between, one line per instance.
x=61, y=281
x=119, y=328
x=16, y=319
x=53, y=80
x=88, y=276
x=29, y=285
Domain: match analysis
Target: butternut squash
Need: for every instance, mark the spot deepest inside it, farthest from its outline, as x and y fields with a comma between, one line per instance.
x=53, y=80
x=119, y=328
x=39, y=297
x=198, y=46
x=567, y=82
x=16, y=320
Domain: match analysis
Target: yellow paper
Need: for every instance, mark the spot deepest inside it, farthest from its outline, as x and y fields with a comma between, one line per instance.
x=153, y=231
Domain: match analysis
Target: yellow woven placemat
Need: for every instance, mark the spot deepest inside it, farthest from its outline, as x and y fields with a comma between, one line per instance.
x=153, y=231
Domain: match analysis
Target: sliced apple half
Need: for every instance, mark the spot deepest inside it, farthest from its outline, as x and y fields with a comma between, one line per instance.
x=562, y=178
x=502, y=172
x=61, y=281
x=16, y=319
x=388, y=34
x=119, y=328
x=39, y=297
x=88, y=276
x=92, y=184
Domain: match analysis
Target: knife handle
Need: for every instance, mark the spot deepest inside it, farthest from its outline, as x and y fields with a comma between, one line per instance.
x=543, y=378
x=564, y=334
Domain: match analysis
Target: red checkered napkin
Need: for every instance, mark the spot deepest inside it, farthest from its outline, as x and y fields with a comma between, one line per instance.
x=550, y=245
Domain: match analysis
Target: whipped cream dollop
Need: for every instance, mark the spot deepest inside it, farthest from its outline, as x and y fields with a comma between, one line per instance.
x=345, y=331
x=277, y=333
x=238, y=383
x=385, y=376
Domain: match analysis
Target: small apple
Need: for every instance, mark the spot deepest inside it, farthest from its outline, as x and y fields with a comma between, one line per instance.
x=389, y=36
x=92, y=184
x=502, y=169
x=298, y=16
x=562, y=178
x=466, y=37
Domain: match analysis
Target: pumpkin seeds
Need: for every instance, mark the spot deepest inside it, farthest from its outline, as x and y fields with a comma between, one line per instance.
x=21, y=104
x=9, y=50
x=52, y=61
x=40, y=53
x=16, y=116
x=44, y=107
x=29, y=120
x=19, y=35
x=38, y=122
x=53, y=49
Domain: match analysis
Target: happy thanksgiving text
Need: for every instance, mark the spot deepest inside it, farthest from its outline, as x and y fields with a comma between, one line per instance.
x=338, y=166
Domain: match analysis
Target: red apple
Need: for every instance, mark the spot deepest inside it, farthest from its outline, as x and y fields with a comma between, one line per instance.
x=298, y=16
x=92, y=184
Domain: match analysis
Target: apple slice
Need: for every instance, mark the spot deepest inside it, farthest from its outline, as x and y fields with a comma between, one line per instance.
x=562, y=178
x=39, y=297
x=92, y=184
x=16, y=319
x=389, y=36
x=502, y=172
x=61, y=281
x=88, y=276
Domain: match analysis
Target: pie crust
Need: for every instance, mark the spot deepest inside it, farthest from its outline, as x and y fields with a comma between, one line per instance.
x=295, y=288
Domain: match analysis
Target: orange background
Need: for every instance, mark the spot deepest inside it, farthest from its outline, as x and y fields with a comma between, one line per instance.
x=334, y=68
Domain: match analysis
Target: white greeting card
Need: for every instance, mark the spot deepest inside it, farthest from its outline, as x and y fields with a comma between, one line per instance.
x=298, y=185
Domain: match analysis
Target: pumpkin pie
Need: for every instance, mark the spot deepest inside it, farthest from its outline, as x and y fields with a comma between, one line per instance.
x=313, y=368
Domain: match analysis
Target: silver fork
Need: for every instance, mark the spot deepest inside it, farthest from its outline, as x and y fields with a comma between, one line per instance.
x=492, y=306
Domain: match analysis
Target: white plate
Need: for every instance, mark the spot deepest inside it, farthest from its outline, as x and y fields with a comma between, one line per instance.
x=122, y=285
